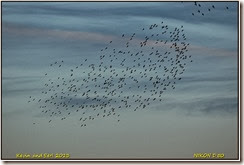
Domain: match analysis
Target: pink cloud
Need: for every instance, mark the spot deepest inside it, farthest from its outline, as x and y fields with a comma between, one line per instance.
x=60, y=34
x=97, y=37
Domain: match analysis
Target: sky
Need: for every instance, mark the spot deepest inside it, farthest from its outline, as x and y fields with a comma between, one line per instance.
x=199, y=116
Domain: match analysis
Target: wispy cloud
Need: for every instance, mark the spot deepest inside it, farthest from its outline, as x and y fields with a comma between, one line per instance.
x=57, y=34
x=220, y=106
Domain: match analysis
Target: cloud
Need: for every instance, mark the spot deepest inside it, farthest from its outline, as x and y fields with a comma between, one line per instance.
x=212, y=51
x=171, y=10
x=19, y=86
x=99, y=38
x=58, y=34
x=214, y=106
x=63, y=29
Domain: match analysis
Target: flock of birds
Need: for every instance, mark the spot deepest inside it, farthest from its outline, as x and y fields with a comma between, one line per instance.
x=203, y=8
x=151, y=66
x=132, y=72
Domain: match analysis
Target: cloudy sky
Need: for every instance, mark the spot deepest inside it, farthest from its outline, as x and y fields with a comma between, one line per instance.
x=200, y=115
